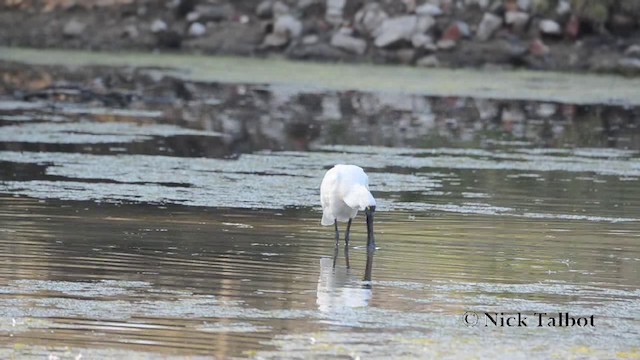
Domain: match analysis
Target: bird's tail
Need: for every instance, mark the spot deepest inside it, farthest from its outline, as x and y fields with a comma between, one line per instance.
x=327, y=219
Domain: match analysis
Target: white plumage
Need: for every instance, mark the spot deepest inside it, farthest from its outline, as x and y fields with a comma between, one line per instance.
x=344, y=191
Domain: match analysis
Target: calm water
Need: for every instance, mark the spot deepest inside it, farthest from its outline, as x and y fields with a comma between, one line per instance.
x=181, y=219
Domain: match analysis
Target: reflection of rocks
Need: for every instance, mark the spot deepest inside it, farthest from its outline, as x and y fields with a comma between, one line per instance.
x=281, y=118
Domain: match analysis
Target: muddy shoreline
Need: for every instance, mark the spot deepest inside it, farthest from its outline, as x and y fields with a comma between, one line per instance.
x=576, y=36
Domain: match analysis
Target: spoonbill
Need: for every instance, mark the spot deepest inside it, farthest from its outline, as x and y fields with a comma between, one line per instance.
x=343, y=192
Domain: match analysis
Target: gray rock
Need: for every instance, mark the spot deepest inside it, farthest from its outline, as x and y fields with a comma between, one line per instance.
x=428, y=61
x=213, y=12
x=446, y=44
x=349, y=43
x=429, y=9
x=524, y=4
x=73, y=28
x=197, y=29
x=401, y=28
x=370, y=17
x=334, y=11
x=275, y=40
x=629, y=66
x=550, y=27
x=265, y=9
x=489, y=24
x=158, y=26
x=131, y=31
x=633, y=51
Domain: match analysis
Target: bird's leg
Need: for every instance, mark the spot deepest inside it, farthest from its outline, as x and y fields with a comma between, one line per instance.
x=346, y=236
x=346, y=256
x=335, y=256
x=335, y=222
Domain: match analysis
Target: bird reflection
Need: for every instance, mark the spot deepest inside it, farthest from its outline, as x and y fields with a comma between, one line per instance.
x=339, y=289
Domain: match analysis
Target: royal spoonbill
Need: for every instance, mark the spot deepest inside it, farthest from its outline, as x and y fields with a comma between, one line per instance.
x=344, y=191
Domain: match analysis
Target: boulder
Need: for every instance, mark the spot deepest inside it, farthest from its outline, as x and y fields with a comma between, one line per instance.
x=429, y=9
x=401, y=28
x=73, y=28
x=285, y=28
x=334, y=11
x=488, y=25
x=428, y=61
x=197, y=29
x=550, y=27
x=456, y=31
x=517, y=19
x=422, y=41
x=158, y=26
x=538, y=48
x=369, y=18
x=348, y=43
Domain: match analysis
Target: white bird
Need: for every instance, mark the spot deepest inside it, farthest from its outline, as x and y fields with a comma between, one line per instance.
x=344, y=191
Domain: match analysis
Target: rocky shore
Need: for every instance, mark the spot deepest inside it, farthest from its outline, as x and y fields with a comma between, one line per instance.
x=566, y=35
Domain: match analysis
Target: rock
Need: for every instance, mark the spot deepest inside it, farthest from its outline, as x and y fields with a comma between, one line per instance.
x=422, y=41
x=517, y=19
x=168, y=39
x=428, y=61
x=524, y=5
x=370, y=17
x=285, y=28
x=334, y=11
x=538, y=48
x=429, y=9
x=289, y=25
x=622, y=24
x=310, y=39
x=348, y=43
x=73, y=28
x=158, y=26
x=482, y=4
x=629, y=66
x=401, y=28
x=197, y=29
x=489, y=24
x=130, y=31
x=265, y=9
x=456, y=31
x=207, y=13
x=633, y=51
x=549, y=27
x=572, y=28
x=446, y=44
x=409, y=5
x=280, y=9
x=563, y=7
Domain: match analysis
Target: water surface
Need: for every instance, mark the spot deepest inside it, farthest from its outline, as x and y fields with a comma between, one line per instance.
x=148, y=216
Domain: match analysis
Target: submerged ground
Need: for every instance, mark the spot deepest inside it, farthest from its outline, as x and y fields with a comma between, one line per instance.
x=160, y=212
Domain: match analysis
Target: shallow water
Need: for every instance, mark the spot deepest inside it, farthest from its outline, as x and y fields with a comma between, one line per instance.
x=182, y=220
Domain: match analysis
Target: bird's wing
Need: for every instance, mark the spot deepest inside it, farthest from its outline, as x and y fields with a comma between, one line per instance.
x=327, y=190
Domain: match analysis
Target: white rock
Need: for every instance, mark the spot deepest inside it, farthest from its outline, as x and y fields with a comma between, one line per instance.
x=563, y=8
x=516, y=18
x=349, y=43
x=428, y=61
x=131, y=31
x=288, y=25
x=334, y=11
x=280, y=9
x=489, y=24
x=550, y=27
x=193, y=16
x=265, y=9
x=310, y=39
x=158, y=26
x=401, y=28
x=197, y=29
x=73, y=28
x=429, y=9
x=370, y=17
x=446, y=44
x=422, y=41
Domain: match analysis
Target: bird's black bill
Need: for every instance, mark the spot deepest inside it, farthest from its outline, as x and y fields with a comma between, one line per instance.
x=371, y=242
